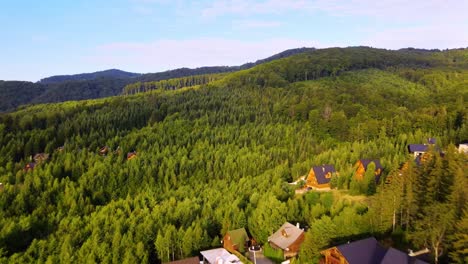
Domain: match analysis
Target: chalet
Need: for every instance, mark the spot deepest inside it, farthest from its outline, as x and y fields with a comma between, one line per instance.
x=103, y=151
x=367, y=251
x=236, y=240
x=463, y=148
x=29, y=166
x=417, y=149
x=288, y=239
x=192, y=260
x=319, y=176
x=218, y=255
x=361, y=168
x=131, y=155
x=40, y=157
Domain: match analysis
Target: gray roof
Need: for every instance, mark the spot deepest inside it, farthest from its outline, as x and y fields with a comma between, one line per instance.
x=369, y=251
x=417, y=148
x=321, y=172
x=286, y=235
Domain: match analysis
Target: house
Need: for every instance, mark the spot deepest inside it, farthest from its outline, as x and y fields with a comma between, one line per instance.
x=40, y=157
x=103, y=151
x=236, y=240
x=463, y=148
x=29, y=166
x=417, y=149
x=131, y=155
x=361, y=168
x=367, y=251
x=218, y=256
x=288, y=239
x=192, y=260
x=319, y=176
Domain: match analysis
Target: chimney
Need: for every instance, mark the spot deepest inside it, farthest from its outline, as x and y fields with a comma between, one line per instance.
x=283, y=233
x=297, y=225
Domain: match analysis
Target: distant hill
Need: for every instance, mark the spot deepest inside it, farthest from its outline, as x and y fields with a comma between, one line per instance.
x=101, y=84
x=112, y=73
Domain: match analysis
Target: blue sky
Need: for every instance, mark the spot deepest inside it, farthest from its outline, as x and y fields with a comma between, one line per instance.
x=50, y=37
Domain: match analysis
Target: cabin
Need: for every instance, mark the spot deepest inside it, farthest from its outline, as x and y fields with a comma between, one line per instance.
x=361, y=168
x=40, y=157
x=218, y=255
x=367, y=251
x=236, y=240
x=29, y=166
x=319, y=176
x=417, y=149
x=288, y=239
x=131, y=155
x=103, y=151
x=463, y=148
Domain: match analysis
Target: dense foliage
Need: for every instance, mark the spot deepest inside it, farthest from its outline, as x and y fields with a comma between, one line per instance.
x=101, y=84
x=219, y=156
x=112, y=73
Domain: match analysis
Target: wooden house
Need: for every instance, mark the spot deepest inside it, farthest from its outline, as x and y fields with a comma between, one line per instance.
x=361, y=168
x=131, y=155
x=236, y=240
x=319, y=176
x=103, y=151
x=367, y=251
x=40, y=157
x=288, y=239
x=29, y=166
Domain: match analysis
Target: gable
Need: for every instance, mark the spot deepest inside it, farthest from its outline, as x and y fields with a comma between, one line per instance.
x=323, y=173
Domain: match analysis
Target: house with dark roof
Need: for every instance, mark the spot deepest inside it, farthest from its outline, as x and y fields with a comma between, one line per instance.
x=236, y=240
x=417, y=149
x=288, y=239
x=361, y=168
x=367, y=251
x=319, y=176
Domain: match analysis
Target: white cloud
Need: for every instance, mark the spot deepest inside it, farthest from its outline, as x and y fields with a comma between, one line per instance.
x=170, y=54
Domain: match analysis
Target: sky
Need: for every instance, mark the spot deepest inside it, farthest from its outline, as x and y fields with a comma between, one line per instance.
x=54, y=37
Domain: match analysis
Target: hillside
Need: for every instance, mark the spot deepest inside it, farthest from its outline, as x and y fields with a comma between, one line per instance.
x=112, y=73
x=217, y=155
x=102, y=84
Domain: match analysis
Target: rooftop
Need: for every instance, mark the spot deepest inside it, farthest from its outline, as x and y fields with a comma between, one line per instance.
x=286, y=235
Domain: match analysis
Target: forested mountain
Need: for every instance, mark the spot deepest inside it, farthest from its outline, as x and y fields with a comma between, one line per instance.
x=102, y=84
x=216, y=154
x=112, y=73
